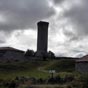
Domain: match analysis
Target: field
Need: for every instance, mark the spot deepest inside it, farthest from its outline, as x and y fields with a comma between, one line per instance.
x=11, y=70
x=40, y=69
x=34, y=68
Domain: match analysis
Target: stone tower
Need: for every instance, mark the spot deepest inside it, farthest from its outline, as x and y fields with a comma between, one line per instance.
x=42, y=38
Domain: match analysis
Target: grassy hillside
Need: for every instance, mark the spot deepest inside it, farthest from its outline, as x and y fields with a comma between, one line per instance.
x=31, y=68
x=62, y=65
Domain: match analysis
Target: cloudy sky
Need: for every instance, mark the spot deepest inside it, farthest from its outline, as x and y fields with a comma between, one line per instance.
x=68, y=28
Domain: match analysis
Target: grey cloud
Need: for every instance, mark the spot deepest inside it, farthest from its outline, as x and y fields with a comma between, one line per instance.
x=2, y=41
x=70, y=35
x=58, y=1
x=3, y=37
x=22, y=14
x=78, y=17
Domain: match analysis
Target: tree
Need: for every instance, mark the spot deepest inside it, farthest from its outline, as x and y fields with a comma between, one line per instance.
x=51, y=54
x=29, y=53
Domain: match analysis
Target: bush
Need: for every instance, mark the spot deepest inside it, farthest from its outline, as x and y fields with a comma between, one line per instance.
x=13, y=84
x=84, y=80
x=68, y=78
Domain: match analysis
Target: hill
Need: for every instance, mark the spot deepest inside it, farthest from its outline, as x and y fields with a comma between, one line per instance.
x=35, y=68
x=62, y=65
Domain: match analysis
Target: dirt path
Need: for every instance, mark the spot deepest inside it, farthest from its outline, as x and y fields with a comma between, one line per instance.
x=45, y=71
x=42, y=70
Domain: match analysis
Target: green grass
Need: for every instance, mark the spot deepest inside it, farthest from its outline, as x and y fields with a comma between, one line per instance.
x=62, y=66
x=11, y=70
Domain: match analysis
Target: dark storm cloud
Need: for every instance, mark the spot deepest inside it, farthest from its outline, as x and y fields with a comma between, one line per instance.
x=78, y=17
x=58, y=1
x=23, y=14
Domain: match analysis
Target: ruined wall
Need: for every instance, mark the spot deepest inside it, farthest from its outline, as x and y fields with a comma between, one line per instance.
x=81, y=67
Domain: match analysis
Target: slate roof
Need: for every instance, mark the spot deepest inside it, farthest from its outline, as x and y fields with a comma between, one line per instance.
x=83, y=59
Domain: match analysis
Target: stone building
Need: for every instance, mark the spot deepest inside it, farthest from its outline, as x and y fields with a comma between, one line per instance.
x=42, y=38
x=9, y=53
x=82, y=64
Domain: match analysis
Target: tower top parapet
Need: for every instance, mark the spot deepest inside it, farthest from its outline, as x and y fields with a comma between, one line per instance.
x=43, y=22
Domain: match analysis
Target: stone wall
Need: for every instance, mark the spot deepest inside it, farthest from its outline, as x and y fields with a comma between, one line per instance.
x=81, y=67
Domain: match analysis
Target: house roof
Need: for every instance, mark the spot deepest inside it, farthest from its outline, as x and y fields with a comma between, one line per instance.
x=10, y=49
x=83, y=59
